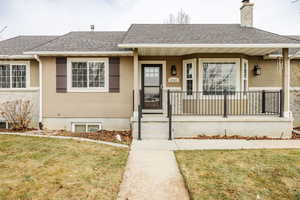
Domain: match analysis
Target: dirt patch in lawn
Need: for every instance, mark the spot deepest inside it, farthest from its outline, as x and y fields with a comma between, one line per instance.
x=241, y=174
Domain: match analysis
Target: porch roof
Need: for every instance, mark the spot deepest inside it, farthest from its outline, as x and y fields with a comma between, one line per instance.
x=181, y=39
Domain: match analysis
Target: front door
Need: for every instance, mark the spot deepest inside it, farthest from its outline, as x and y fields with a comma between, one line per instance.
x=152, y=86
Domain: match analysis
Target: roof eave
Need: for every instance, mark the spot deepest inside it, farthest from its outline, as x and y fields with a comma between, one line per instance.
x=278, y=45
x=79, y=53
x=16, y=57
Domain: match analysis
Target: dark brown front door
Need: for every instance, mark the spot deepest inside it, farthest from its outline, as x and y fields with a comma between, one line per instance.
x=152, y=86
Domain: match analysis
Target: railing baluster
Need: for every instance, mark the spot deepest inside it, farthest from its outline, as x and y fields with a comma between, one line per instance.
x=225, y=103
x=263, y=101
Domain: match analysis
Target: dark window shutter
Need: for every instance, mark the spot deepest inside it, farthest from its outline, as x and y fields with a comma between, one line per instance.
x=61, y=75
x=114, y=74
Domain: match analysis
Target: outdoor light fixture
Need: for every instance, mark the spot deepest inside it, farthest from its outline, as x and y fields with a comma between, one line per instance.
x=173, y=70
x=257, y=70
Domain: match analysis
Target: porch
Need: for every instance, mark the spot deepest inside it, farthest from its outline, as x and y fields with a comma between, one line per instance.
x=208, y=94
x=188, y=114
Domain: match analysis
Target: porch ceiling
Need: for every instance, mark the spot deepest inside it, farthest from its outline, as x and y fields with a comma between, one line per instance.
x=179, y=51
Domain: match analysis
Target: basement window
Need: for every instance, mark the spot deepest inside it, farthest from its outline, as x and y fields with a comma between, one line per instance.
x=3, y=125
x=86, y=127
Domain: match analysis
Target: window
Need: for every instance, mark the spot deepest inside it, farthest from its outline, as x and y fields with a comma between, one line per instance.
x=218, y=77
x=13, y=76
x=245, y=75
x=86, y=127
x=189, y=75
x=88, y=75
x=79, y=75
x=5, y=76
x=18, y=76
x=3, y=125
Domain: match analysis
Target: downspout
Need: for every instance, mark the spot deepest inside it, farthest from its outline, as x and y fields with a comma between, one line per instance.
x=41, y=92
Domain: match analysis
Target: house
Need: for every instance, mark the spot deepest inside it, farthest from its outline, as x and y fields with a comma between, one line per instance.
x=158, y=79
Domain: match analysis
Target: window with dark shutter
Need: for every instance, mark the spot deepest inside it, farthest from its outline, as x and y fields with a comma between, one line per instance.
x=61, y=75
x=114, y=74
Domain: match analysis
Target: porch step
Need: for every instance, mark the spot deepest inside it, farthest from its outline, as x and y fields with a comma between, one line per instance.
x=152, y=127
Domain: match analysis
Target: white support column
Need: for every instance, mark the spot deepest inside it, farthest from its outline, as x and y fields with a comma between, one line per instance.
x=41, y=88
x=286, y=81
x=136, y=80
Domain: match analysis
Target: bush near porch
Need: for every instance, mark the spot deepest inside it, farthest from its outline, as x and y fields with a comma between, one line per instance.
x=43, y=168
x=241, y=174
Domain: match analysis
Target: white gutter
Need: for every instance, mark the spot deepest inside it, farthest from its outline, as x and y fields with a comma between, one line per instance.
x=41, y=88
x=16, y=57
x=136, y=45
x=83, y=53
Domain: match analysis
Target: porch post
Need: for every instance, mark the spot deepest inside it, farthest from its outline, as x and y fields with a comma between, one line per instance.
x=136, y=80
x=286, y=82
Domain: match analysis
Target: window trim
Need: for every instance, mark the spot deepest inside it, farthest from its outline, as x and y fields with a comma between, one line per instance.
x=237, y=62
x=86, y=124
x=27, y=67
x=88, y=89
x=194, y=76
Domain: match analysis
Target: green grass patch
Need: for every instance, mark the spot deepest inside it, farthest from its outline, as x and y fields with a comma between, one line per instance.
x=241, y=174
x=44, y=168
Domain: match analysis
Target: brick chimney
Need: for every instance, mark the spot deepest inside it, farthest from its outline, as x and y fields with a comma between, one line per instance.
x=247, y=13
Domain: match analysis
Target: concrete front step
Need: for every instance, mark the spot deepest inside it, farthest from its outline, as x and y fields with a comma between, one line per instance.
x=153, y=126
x=152, y=130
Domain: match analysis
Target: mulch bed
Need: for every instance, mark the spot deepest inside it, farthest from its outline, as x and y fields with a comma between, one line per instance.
x=295, y=135
x=237, y=137
x=103, y=135
x=17, y=131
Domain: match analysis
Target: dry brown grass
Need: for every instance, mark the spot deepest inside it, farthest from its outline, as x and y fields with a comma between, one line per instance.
x=43, y=168
x=241, y=174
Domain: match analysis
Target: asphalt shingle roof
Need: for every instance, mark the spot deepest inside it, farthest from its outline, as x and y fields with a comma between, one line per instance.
x=201, y=34
x=85, y=41
x=291, y=51
x=17, y=45
x=145, y=34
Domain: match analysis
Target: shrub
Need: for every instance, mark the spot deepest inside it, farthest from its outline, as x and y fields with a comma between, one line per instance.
x=17, y=113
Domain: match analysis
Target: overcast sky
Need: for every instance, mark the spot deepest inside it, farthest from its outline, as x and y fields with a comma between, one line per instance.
x=52, y=17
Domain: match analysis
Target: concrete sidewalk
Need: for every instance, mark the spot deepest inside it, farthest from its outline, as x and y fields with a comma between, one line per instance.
x=214, y=144
x=152, y=174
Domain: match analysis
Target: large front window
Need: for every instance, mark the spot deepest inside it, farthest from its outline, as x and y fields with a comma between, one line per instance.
x=13, y=76
x=88, y=75
x=219, y=77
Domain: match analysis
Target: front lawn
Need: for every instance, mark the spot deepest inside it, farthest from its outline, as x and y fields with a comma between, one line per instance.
x=241, y=174
x=43, y=168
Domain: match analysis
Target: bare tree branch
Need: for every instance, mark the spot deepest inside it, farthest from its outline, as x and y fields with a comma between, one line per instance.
x=180, y=18
x=3, y=29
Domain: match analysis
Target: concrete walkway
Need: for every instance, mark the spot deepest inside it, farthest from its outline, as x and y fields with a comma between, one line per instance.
x=152, y=171
x=152, y=174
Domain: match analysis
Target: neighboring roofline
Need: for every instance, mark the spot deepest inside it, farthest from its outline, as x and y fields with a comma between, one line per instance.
x=276, y=56
x=140, y=45
x=60, y=53
x=16, y=57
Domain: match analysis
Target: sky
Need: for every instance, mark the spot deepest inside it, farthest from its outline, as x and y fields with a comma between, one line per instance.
x=56, y=17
